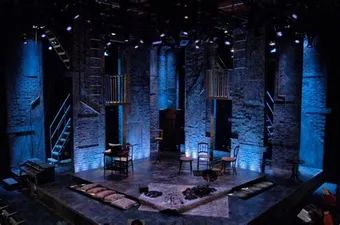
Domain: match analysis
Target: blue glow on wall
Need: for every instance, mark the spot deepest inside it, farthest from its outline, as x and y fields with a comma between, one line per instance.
x=24, y=85
x=313, y=108
x=163, y=95
x=167, y=79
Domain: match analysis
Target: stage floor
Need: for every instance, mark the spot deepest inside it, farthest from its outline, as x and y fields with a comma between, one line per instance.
x=60, y=198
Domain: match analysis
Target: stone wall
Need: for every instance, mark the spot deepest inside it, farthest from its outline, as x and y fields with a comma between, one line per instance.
x=313, y=106
x=287, y=106
x=25, y=104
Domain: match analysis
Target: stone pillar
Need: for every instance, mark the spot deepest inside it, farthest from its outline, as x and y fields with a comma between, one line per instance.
x=25, y=103
x=313, y=106
x=88, y=102
x=137, y=112
x=287, y=106
x=247, y=94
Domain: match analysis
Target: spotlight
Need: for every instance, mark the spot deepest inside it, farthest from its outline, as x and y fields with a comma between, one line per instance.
x=113, y=34
x=25, y=42
x=136, y=46
x=185, y=33
x=35, y=27
x=232, y=50
x=157, y=42
x=43, y=35
x=162, y=35
x=186, y=17
x=297, y=41
x=197, y=47
x=68, y=28
x=42, y=27
x=50, y=48
x=294, y=16
x=106, y=53
x=225, y=31
x=76, y=17
x=279, y=33
x=211, y=42
x=197, y=41
x=273, y=50
x=126, y=40
x=108, y=43
x=227, y=43
x=141, y=41
x=271, y=43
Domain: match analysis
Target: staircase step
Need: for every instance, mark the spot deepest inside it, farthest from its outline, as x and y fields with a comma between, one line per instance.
x=56, y=153
x=66, y=133
x=64, y=161
x=62, y=140
x=51, y=160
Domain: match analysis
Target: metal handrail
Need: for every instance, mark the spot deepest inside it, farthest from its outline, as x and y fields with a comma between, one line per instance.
x=59, y=111
x=65, y=109
x=270, y=97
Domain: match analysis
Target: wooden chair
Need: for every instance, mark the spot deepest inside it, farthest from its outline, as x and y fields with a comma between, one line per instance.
x=232, y=160
x=125, y=160
x=184, y=159
x=203, y=154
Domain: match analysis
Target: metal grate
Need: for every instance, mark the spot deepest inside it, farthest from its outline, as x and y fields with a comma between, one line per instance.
x=115, y=89
x=218, y=84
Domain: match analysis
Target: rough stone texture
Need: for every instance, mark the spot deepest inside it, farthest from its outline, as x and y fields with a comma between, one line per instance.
x=88, y=107
x=313, y=107
x=247, y=93
x=154, y=103
x=196, y=97
x=137, y=112
x=287, y=106
x=24, y=84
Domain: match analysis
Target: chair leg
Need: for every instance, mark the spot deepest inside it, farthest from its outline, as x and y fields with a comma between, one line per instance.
x=190, y=166
x=198, y=163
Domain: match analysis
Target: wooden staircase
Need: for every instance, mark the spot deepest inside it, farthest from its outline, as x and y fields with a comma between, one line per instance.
x=61, y=133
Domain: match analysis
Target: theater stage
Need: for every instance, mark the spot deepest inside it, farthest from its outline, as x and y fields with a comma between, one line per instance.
x=83, y=210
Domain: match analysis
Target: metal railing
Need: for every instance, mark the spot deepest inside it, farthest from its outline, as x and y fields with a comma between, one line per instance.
x=218, y=85
x=60, y=121
x=115, y=89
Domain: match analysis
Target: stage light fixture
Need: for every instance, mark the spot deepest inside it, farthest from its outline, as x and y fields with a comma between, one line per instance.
x=141, y=41
x=185, y=33
x=227, y=43
x=68, y=28
x=136, y=46
x=113, y=34
x=43, y=35
x=197, y=41
x=197, y=47
x=225, y=31
x=50, y=48
x=273, y=50
x=108, y=43
x=272, y=43
x=186, y=17
x=126, y=40
x=232, y=50
x=297, y=41
x=76, y=17
x=294, y=16
x=157, y=42
x=106, y=53
x=279, y=34
x=162, y=35
x=25, y=42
